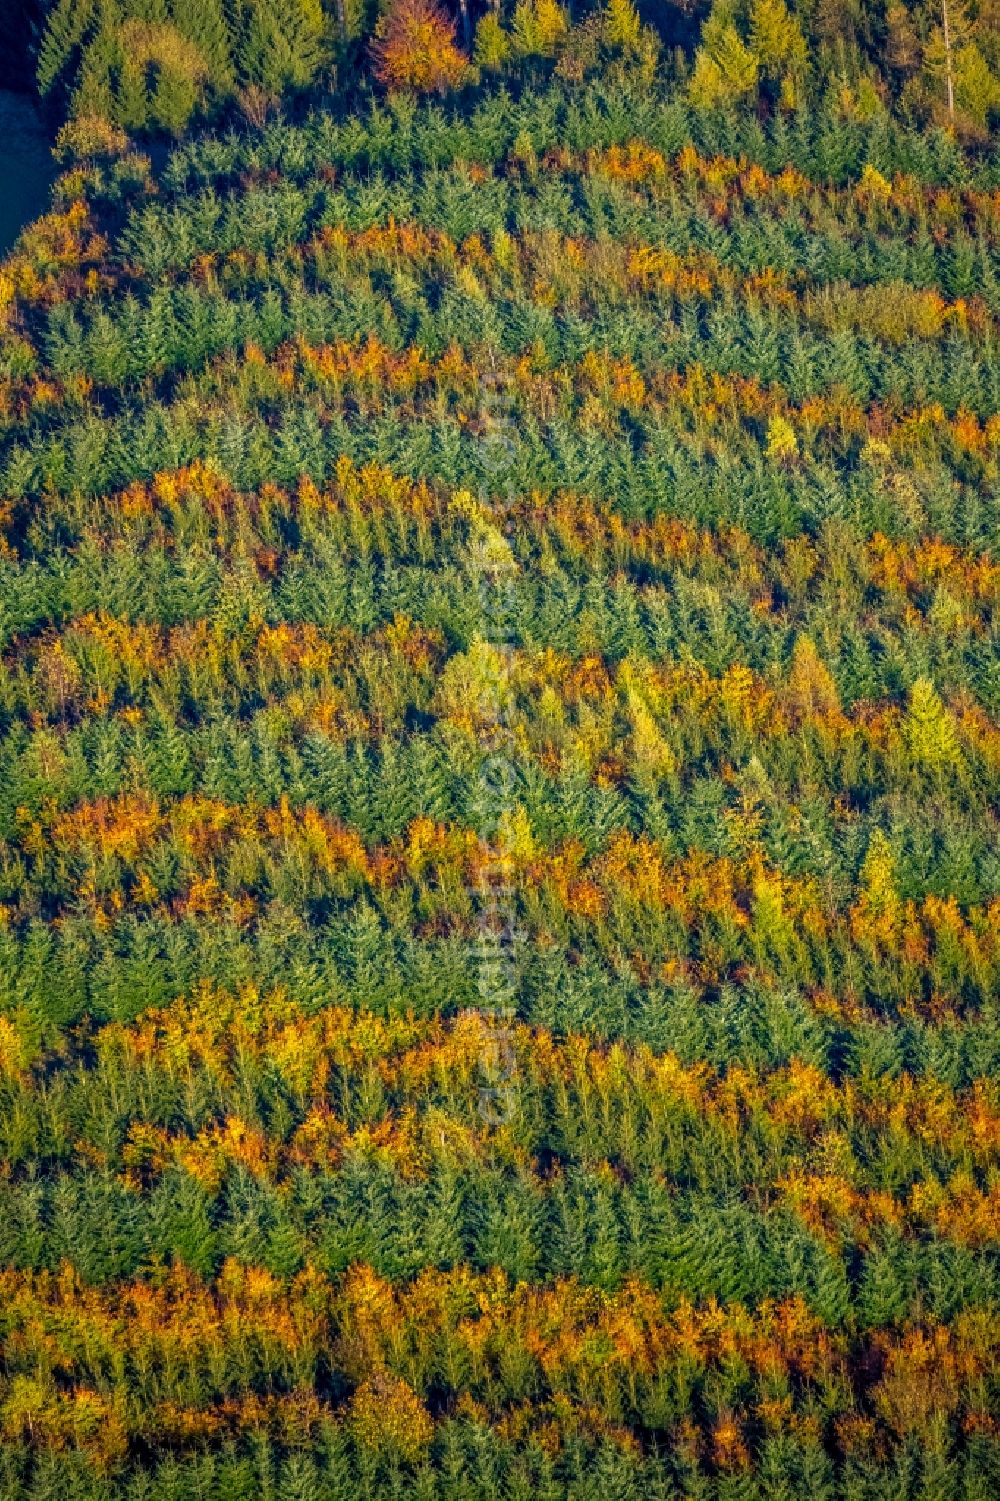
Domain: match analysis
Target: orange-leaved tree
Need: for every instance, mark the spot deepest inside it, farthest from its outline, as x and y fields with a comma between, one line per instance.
x=415, y=48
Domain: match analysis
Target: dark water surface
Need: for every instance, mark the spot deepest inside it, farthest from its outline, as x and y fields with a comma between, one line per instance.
x=27, y=170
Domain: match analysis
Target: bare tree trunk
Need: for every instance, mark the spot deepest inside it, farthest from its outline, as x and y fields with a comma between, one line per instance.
x=947, y=63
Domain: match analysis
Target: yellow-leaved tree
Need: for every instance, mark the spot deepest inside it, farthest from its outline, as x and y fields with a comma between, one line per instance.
x=387, y=1416
x=929, y=729
x=811, y=689
x=539, y=26
x=733, y=59
x=492, y=45
x=782, y=444
x=621, y=25
x=876, y=913
x=778, y=46
x=725, y=69
x=415, y=48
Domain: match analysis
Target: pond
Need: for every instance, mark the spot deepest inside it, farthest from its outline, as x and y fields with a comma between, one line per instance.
x=27, y=170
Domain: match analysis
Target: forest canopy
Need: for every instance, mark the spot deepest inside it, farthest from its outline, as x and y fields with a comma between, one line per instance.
x=500, y=757
x=157, y=65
